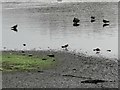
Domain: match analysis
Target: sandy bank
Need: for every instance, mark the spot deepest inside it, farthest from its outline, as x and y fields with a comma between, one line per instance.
x=80, y=66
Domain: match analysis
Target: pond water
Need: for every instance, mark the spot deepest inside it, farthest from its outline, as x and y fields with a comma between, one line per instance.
x=50, y=25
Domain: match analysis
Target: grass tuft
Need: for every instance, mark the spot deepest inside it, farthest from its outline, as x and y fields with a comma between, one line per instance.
x=19, y=62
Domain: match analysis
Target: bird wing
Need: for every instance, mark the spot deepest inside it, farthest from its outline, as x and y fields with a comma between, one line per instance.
x=76, y=20
x=14, y=26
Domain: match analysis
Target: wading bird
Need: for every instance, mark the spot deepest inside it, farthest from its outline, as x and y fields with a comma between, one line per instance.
x=109, y=50
x=105, y=21
x=97, y=50
x=14, y=28
x=92, y=19
x=76, y=20
x=24, y=44
x=65, y=46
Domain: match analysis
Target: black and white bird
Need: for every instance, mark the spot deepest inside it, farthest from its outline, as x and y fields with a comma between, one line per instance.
x=92, y=19
x=24, y=44
x=65, y=46
x=97, y=49
x=14, y=28
x=105, y=21
x=109, y=50
x=76, y=20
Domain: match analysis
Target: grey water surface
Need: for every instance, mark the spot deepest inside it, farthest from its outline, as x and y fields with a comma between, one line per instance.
x=50, y=25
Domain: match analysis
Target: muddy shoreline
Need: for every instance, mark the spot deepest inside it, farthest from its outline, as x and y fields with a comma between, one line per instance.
x=68, y=73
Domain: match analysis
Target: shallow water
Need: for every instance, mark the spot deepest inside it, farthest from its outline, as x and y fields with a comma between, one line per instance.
x=43, y=25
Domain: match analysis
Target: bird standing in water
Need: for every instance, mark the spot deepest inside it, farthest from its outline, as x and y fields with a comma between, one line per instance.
x=92, y=19
x=105, y=21
x=14, y=28
x=24, y=44
x=97, y=50
x=76, y=22
x=65, y=47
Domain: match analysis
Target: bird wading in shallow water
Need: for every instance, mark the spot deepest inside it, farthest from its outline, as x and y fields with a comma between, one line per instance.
x=97, y=50
x=92, y=19
x=76, y=22
x=105, y=21
x=65, y=46
x=14, y=28
x=24, y=44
